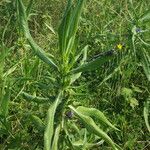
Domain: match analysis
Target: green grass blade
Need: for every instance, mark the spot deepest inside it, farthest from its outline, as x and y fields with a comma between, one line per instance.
x=29, y=7
x=83, y=51
x=94, y=113
x=146, y=113
x=3, y=54
x=96, y=63
x=5, y=102
x=24, y=26
x=56, y=138
x=93, y=128
x=146, y=63
x=145, y=17
x=9, y=71
x=50, y=123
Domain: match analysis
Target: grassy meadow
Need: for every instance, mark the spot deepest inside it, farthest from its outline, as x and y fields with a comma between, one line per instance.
x=74, y=74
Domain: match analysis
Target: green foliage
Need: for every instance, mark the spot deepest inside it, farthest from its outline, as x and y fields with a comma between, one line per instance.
x=146, y=113
x=99, y=60
x=24, y=26
x=50, y=125
x=92, y=127
x=92, y=65
x=94, y=113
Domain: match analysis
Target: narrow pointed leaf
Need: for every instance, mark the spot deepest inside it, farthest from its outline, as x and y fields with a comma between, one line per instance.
x=56, y=138
x=146, y=112
x=93, y=128
x=75, y=76
x=146, y=63
x=96, y=63
x=68, y=26
x=83, y=51
x=24, y=26
x=36, y=99
x=49, y=131
x=5, y=102
x=75, y=18
x=64, y=27
x=94, y=113
x=74, y=23
x=9, y=71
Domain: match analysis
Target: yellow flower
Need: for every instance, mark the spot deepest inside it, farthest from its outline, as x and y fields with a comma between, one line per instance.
x=119, y=46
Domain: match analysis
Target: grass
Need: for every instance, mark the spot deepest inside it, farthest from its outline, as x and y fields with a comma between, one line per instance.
x=117, y=88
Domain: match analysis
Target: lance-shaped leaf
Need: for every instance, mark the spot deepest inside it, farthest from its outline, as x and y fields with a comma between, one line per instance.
x=69, y=25
x=36, y=99
x=93, y=128
x=75, y=76
x=64, y=27
x=24, y=27
x=73, y=26
x=49, y=131
x=94, y=113
x=9, y=71
x=56, y=138
x=146, y=112
x=87, y=145
x=96, y=63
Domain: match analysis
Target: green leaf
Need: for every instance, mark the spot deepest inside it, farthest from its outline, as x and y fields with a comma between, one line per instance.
x=133, y=102
x=48, y=134
x=83, y=51
x=94, y=113
x=56, y=138
x=29, y=7
x=34, y=68
x=3, y=54
x=75, y=76
x=131, y=2
x=94, y=64
x=37, y=122
x=9, y=71
x=136, y=89
x=24, y=26
x=36, y=99
x=146, y=113
x=75, y=18
x=145, y=63
x=145, y=17
x=68, y=27
x=87, y=145
x=64, y=27
x=126, y=92
x=73, y=127
x=93, y=128
x=5, y=102
x=50, y=28
x=110, y=75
